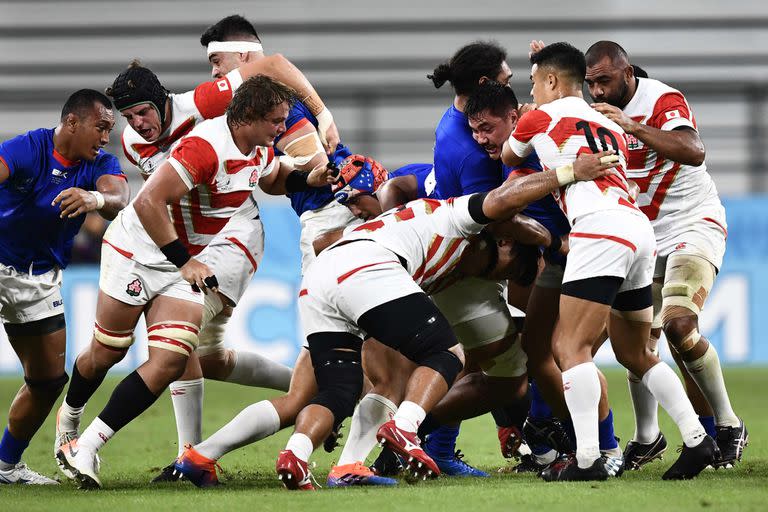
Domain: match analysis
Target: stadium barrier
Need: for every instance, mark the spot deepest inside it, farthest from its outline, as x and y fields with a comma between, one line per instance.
x=266, y=320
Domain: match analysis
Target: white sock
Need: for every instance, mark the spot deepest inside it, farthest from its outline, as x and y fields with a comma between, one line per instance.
x=646, y=410
x=409, y=416
x=662, y=382
x=545, y=458
x=707, y=374
x=95, y=436
x=69, y=417
x=372, y=411
x=300, y=445
x=187, y=398
x=254, y=423
x=252, y=369
x=582, y=395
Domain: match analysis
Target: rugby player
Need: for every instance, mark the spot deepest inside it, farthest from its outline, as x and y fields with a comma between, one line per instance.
x=666, y=160
x=609, y=270
x=147, y=267
x=49, y=178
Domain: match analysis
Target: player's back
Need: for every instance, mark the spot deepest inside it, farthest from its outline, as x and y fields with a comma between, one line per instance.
x=426, y=183
x=429, y=234
x=669, y=191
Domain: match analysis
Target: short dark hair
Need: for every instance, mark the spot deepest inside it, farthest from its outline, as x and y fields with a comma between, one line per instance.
x=81, y=103
x=468, y=65
x=492, y=96
x=639, y=72
x=228, y=29
x=563, y=57
x=256, y=98
x=603, y=49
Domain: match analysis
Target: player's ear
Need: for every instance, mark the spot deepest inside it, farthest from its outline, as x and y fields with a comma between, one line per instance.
x=483, y=79
x=71, y=122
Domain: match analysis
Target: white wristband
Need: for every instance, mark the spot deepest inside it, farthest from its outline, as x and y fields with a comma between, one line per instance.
x=99, y=199
x=565, y=175
x=324, y=120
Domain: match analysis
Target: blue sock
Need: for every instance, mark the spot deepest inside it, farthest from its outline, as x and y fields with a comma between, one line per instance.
x=605, y=431
x=539, y=408
x=11, y=448
x=441, y=443
x=708, y=422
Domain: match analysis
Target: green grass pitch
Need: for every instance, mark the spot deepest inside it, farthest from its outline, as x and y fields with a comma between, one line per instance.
x=133, y=457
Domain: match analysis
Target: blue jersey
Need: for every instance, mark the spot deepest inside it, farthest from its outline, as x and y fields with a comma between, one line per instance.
x=546, y=209
x=313, y=198
x=425, y=179
x=31, y=232
x=462, y=166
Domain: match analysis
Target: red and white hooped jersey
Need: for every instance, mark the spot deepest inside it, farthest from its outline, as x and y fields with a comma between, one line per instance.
x=221, y=181
x=559, y=132
x=671, y=194
x=430, y=234
x=206, y=101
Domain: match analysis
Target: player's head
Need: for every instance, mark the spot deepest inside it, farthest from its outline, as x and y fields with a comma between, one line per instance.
x=557, y=70
x=141, y=99
x=509, y=259
x=86, y=120
x=230, y=43
x=472, y=65
x=259, y=108
x=610, y=77
x=492, y=113
x=359, y=179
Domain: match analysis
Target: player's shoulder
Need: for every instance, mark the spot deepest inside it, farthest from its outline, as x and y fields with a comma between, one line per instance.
x=649, y=91
x=36, y=138
x=183, y=106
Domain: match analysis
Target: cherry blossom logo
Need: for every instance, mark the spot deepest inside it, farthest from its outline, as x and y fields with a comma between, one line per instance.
x=254, y=179
x=134, y=288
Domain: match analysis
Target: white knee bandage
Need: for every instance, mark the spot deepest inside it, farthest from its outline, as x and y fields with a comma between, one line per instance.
x=175, y=336
x=114, y=339
x=687, y=282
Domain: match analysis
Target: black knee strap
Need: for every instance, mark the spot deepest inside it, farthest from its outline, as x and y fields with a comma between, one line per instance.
x=48, y=385
x=634, y=300
x=338, y=371
x=36, y=328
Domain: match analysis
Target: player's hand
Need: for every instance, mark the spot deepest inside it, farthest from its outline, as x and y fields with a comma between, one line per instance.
x=327, y=130
x=535, y=47
x=617, y=115
x=590, y=166
x=527, y=107
x=322, y=175
x=199, y=275
x=74, y=201
x=565, y=246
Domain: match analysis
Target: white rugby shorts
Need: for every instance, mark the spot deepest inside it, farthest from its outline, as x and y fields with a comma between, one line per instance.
x=29, y=297
x=612, y=243
x=314, y=223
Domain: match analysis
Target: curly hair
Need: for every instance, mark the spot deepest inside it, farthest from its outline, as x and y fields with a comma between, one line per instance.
x=256, y=98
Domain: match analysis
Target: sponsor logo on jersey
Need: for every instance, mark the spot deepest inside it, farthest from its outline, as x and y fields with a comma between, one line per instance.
x=58, y=175
x=134, y=288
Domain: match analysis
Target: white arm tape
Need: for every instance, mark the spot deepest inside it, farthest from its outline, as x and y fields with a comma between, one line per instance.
x=99, y=199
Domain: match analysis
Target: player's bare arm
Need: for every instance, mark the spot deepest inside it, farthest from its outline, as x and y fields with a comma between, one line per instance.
x=289, y=179
x=281, y=69
x=522, y=228
x=512, y=196
x=682, y=145
x=111, y=196
x=303, y=145
x=397, y=191
x=509, y=157
x=325, y=240
x=4, y=172
x=165, y=187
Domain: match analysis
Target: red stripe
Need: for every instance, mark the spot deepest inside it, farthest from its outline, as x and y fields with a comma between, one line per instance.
x=345, y=276
x=295, y=128
x=171, y=342
x=447, y=256
x=652, y=210
x=172, y=326
x=713, y=221
x=125, y=253
x=5, y=163
x=200, y=223
x=303, y=292
x=229, y=199
x=116, y=334
x=430, y=254
x=606, y=237
x=62, y=160
x=245, y=250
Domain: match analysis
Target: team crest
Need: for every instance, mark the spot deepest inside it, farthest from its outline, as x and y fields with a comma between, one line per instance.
x=632, y=142
x=134, y=288
x=254, y=179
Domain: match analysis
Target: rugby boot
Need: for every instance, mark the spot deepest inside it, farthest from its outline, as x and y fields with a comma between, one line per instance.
x=547, y=431
x=195, y=467
x=567, y=469
x=293, y=472
x=356, y=474
x=731, y=441
x=168, y=474
x=408, y=446
x=82, y=463
x=388, y=463
x=510, y=439
x=636, y=455
x=21, y=474
x=693, y=461
x=62, y=437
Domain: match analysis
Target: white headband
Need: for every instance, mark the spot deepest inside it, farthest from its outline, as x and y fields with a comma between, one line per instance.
x=234, y=46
